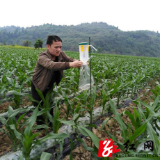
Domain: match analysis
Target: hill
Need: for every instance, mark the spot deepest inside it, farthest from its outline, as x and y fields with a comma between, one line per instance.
x=107, y=38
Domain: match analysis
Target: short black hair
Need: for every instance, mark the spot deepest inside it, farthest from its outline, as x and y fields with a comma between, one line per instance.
x=52, y=38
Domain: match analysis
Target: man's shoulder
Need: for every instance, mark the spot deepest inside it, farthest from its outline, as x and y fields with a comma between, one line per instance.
x=62, y=53
x=45, y=54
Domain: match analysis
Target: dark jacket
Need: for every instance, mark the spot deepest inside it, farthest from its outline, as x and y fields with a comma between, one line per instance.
x=46, y=67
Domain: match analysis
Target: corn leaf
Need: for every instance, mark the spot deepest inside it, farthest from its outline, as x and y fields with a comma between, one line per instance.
x=154, y=138
x=45, y=156
x=87, y=132
x=138, y=132
x=120, y=121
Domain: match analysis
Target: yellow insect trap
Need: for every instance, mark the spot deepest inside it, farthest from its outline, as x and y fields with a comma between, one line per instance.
x=84, y=81
x=84, y=52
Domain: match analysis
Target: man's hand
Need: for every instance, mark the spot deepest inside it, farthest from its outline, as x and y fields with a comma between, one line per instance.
x=87, y=63
x=75, y=64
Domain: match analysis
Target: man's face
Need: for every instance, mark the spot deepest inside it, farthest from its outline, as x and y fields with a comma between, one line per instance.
x=55, y=48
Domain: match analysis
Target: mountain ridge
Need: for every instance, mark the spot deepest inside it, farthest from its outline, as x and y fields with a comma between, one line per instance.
x=106, y=38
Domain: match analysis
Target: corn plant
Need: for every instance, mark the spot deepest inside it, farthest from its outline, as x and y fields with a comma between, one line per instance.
x=45, y=108
x=54, y=120
x=59, y=137
x=21, y=133
x=44, y=156
x=17, y=97
x=91, y=103
x=152, y=114
x=81, y=100
x=156, y=90
x=126, y=132
x=70, y=107
x=74, y=123
x=105, y=98
x=143, y=122
x=12, y=125
x=27, y=139
x=3, y=91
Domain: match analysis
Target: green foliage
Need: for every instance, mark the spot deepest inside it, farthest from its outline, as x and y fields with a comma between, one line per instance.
x=38, y=43
x=17, y=98
x=45, y=156
x=27, y=43
x=13, y=126
x=117, y=77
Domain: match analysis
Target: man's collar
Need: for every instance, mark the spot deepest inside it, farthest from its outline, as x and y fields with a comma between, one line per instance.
x=59, y=57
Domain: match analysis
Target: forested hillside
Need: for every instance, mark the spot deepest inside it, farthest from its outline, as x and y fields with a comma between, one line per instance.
x=106, y=38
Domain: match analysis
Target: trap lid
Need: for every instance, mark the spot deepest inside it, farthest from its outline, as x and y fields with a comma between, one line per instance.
x=83, y=43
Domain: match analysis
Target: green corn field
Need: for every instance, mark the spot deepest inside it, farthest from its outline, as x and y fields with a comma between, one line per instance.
x=117, y=79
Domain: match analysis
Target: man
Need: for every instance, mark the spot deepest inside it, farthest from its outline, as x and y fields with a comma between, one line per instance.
x=49, y=69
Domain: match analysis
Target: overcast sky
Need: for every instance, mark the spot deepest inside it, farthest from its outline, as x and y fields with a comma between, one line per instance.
x=127, y=15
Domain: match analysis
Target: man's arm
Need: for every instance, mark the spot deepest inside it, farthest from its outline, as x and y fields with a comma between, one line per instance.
x=73, y=63
x=68, y=59
x=46, y=62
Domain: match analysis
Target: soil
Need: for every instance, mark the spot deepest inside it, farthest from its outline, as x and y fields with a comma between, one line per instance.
x=4, y=106
x=79, y=153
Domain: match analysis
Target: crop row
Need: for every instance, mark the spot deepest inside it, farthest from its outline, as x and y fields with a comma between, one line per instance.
x=119, y=77
x=127, y=74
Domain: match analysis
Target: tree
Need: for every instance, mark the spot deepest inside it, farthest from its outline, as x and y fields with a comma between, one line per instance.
x=38, y=43
x=26, y=43
x=4, y=42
